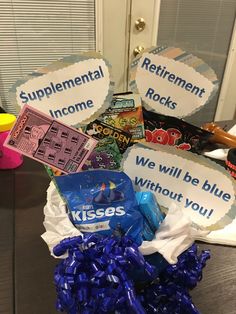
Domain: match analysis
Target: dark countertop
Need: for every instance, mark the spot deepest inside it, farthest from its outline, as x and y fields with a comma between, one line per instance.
x=26, y=267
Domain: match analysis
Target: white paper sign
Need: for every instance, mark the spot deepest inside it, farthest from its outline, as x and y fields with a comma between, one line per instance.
x=203, y=191
x=169, y=86
x=72, y=93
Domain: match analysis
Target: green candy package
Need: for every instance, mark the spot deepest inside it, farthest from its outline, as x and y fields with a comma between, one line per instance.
x=106, y=155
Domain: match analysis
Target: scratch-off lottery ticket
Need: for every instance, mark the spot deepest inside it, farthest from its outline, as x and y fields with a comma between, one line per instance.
x=100, y=130
x=50, y=142
x=125, y=113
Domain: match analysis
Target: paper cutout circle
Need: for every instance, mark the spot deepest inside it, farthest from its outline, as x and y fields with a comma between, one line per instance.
x=172, y=81
x=75, y=89
x=203, y=189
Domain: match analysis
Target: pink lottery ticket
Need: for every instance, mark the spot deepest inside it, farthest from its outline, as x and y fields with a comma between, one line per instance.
x=49, y=141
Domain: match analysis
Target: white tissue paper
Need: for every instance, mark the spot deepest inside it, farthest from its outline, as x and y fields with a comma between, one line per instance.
x=56, y=221
x=174, y=236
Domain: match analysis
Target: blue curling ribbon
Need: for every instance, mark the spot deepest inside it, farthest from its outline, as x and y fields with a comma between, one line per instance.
x=188, y=270
x=96, y=277
x=171, y=293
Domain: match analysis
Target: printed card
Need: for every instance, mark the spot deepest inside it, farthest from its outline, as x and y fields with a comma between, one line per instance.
x=125, y=113
x=100, y=130
x=49, y=141
x=172, y=82
x=202, y=189
x=75, y=90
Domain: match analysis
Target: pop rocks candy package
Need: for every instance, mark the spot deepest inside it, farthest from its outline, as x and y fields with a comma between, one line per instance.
x=102, y=201
x=172, y=131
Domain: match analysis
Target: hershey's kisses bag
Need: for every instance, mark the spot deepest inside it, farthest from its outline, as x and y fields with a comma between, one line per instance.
x=102, y=201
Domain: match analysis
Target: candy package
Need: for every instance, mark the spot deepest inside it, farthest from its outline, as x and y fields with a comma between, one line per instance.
x=125, y=113
x=102, y=201
x=106, y=155
x=150, y=210
x=52, y=172
x=100, y=130
x=172, y=131
x=148, y=234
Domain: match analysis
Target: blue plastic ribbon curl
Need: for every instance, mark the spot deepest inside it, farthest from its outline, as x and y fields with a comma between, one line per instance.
x=171, y=293
x=96, y=277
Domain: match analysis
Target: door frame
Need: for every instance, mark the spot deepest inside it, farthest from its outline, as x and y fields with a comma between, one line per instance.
x=226, y=106
x=112, y=37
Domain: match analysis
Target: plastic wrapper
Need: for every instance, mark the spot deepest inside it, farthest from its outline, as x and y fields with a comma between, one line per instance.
x=125, y=113
x=150, y=209
x=99, y=130
x=231, y=162
x=172, y=131
x=102, y=201
x=106, y=155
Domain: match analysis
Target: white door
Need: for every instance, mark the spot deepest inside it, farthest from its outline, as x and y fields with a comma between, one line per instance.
x=206, y=29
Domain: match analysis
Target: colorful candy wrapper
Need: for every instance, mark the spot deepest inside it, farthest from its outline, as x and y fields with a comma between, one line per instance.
x=52, y=172
x=125, y=113
x=99, y=130
x=231, y=162
x=106, y=155
x=172, y=131
x=150, y=210
x=102, y=201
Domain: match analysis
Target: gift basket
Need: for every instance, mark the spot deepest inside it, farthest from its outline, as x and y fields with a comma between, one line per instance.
x=119, y=251
x=129, y=191
x=114, y=262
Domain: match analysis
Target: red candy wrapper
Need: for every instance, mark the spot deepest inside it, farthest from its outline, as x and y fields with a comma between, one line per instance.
x=172, y=131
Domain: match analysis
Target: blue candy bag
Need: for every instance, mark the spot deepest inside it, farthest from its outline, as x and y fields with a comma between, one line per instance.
x=102, y=201
x=150, y=209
